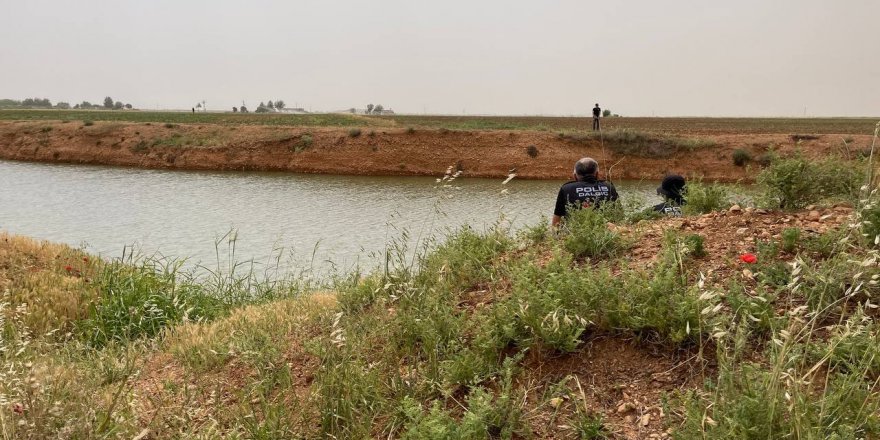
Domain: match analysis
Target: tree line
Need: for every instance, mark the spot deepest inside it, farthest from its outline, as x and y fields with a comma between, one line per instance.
x=37, y=103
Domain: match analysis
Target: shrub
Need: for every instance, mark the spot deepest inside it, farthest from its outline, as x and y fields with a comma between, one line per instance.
x=170, y=125
x=410, y=130
x=305, y=141
x=532, y=151
x=45, y=129
x=88, y=123
x=354, y=132
x=705, y=197
x=741, y=157
x=588, y=235
x=694, y=243
x=141, y=300
x=796, y=182
x=791, y=237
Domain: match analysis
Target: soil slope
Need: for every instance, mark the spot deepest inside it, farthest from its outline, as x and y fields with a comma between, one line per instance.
x=390, y=151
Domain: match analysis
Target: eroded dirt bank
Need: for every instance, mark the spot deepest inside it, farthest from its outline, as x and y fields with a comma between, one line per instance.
x=391, y=151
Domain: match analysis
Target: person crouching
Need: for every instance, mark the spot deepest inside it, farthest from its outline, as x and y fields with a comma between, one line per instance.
x=585, y=191
x=672, y=190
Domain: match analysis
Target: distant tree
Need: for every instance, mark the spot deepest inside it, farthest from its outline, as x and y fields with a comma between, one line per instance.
x=234, y=109
x=378, y=109
x=243, y=109
x=279, y=104
x=108, y=102
x=606, y=113
x=118, y=105
x=76, y=107
x=352, y=110
x=128, y=106
x=270, y=105
x=28, y=102
x=199, y=105
x=369, y=108
x=62, y=105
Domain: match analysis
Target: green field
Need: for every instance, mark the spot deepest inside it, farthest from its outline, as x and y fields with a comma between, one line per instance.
x=538, y=123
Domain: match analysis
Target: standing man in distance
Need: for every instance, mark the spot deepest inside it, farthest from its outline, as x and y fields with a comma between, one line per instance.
x=596, y=113
x=585, y=191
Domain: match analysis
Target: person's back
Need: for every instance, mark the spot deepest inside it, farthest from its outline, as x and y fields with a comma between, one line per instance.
x=586, y=191
x=672, y=190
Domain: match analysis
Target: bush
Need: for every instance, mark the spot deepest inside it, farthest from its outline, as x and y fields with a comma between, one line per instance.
x=694, y=243
x=354, y=132
x=705, y=197
x=88, y=123
x=170, y=125
x=588, y=235
x=796, y=182
x=410, y=130
x=305, y=141
x=141, y=300
x=791, y=237
x=532, y=151
x=741, y=157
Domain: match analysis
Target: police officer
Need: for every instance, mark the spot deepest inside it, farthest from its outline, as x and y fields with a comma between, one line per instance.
x=585, y=191
x=672, y=190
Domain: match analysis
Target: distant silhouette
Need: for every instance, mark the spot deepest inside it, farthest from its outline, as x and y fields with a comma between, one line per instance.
x=596, y=113
x=194, y=109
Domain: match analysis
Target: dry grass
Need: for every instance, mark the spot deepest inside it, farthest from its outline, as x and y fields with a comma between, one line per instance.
x=50, y=279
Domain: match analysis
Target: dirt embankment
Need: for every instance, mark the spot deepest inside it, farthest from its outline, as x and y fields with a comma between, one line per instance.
x=394, y=151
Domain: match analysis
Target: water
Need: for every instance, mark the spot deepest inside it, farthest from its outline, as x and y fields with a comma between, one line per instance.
x=181, y=214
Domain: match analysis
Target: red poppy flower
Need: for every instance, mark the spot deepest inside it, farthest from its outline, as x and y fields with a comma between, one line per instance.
x=17, y=408
x=68, y=268
x=748, y=258
x=86, y=259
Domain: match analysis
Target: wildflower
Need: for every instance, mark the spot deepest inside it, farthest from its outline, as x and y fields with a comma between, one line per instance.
x=68, y=268
x=17, y=408
x=748, y=258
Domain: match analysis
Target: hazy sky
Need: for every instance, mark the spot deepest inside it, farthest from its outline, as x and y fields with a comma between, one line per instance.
x=637, y=57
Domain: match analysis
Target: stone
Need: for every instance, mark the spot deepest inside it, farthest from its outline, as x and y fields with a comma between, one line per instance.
x=625, y=407
x=645, y=420
x=742, y=231
x=735, y=208
x=810, y=207
x=814, y=215
x=761, y=211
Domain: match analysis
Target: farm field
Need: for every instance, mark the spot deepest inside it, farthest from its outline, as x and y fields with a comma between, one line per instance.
x=677, y=126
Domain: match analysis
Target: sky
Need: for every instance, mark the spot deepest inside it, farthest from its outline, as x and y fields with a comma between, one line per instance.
x=509, y=57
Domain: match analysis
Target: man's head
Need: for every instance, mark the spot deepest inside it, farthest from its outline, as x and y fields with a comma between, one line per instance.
x=597, y=104
x=586, y=167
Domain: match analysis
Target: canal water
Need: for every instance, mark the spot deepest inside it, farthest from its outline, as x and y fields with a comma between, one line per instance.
x=317, y=221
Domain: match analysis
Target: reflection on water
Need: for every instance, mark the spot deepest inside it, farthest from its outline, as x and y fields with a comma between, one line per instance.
x=341, y=218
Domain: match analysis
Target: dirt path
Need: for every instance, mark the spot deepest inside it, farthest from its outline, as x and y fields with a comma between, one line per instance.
x=385, y=151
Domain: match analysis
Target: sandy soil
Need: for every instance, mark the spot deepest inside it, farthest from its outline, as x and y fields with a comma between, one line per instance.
x=379, y=151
